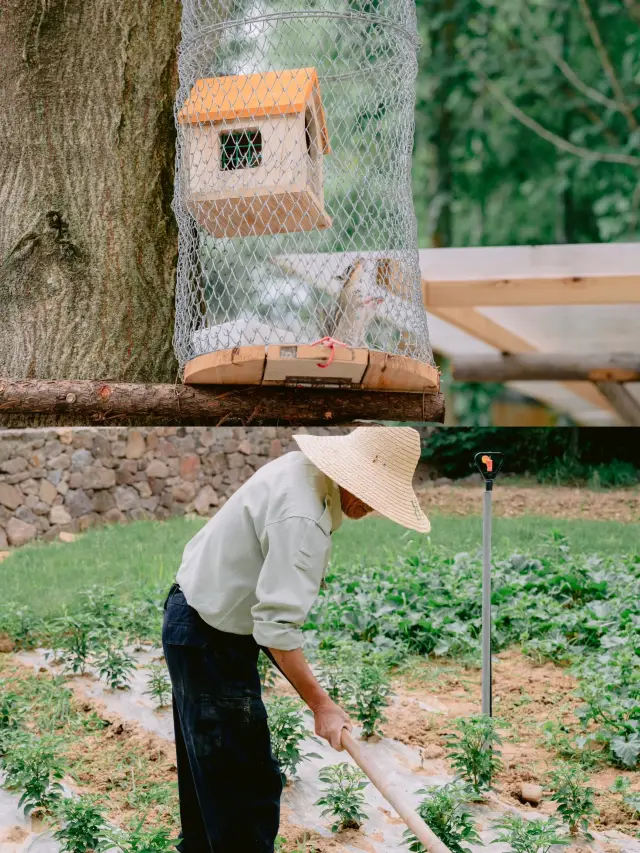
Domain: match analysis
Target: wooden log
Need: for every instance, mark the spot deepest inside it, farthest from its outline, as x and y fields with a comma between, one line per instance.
x=412, y=819
x=516, y=367
x=95, y=403
x=626, y=406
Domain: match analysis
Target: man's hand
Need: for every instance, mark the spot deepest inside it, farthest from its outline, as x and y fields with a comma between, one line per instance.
x=330, y=720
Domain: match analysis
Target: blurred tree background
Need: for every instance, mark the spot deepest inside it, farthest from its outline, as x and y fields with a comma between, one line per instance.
x=527, y=122
x=527, y=132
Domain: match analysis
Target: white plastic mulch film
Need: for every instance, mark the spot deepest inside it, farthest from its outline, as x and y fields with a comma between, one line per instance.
x=293, y=180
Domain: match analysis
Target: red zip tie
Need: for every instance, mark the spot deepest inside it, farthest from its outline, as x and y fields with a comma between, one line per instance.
x=332, y=343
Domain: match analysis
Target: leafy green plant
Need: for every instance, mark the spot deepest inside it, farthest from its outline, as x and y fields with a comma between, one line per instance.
x=266, y=671
x=115, y=666
x=343, y=796
x=632, y=802
x=83, y=829
x=140, y=840
x=11, y=715
x=472, y=751
x=574, y=798
x=73, y=644
x=159, y=685
x=370, y=694
x=20, y=624
x=529, y=836
x=287, y=728
x=34, y=767
x=443, y=810
x=621, y=785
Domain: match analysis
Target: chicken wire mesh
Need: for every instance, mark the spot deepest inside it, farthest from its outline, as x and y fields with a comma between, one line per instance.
x=293, y=176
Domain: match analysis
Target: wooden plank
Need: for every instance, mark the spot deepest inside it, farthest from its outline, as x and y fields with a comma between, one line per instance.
x=94, y=403
x=584, y=274
x=593, y=367
x=288, y=364
x=388, y=372
x=492, y=333
x=607, y=290
x=238, y=366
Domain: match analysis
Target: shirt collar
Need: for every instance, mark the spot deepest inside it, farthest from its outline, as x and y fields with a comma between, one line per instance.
x=334, y=503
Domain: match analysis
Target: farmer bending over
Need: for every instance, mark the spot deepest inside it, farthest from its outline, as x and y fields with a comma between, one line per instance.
x=247, y=581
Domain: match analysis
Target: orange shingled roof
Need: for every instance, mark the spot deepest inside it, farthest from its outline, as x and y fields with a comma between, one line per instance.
x=253, y=96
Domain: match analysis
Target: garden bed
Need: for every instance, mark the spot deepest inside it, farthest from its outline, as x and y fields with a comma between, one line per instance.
x=397, y=639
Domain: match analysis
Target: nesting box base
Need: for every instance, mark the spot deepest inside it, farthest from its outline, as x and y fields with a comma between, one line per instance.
x=275, y=212
x=299, y=365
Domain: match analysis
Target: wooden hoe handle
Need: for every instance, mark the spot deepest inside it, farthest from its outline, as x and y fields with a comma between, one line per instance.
x=408, y=815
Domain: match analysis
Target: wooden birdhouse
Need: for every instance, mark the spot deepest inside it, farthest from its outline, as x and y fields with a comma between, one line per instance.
x=253, y=153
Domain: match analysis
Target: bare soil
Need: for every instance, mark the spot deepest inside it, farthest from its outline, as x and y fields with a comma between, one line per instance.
x=549, y=501
x=525, y=696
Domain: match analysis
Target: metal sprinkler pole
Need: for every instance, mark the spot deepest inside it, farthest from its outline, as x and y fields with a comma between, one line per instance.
x=489, y=464
x=487, y=697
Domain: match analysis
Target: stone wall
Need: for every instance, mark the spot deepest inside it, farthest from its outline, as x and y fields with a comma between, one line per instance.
x=62, y=481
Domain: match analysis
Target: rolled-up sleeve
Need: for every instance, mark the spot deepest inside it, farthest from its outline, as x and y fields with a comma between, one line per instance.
x=296, y=554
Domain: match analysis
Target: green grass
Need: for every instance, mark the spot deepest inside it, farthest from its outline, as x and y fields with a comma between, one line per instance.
x=49, y=577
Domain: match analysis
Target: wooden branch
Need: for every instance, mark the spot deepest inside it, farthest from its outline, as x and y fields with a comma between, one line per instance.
x=104, y=403
x=624, y=403
x=607, y=65
x=559, y=367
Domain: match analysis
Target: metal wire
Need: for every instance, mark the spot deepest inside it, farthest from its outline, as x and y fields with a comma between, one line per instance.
x=293, y=176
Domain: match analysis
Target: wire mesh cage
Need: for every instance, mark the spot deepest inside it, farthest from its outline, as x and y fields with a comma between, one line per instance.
x=298, y=243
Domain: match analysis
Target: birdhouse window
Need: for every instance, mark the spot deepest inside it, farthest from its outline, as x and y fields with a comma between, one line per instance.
x=309, y=134
x=240, y=149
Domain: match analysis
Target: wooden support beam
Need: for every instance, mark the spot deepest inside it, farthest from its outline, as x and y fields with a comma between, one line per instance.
x=585, y=274
x=616, y=367
x=492, y=333
x=625, y=405
x=102, y=403
x=524, y=292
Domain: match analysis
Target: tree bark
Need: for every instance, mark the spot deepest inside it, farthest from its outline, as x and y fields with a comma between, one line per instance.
x=109, y=403
x=88, y=242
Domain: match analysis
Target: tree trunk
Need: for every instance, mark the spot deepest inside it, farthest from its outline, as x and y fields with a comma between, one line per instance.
x=88, y=242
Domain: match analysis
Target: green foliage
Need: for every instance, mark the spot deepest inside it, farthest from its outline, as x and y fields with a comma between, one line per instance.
x=556, y=456
x=443, y=810
x=33, y=766
x=573, y=796
x=84, y=828
x=369, y=695
x=115, y=666
x=266, y=671
x=343, y=796
x=472, y=751
x=529, y=836
x=140, y=840
x=73, y=643
x=159, y=685
x=19, y=623
x=287, y=728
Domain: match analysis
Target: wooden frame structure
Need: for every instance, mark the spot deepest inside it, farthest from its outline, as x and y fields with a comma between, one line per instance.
x=464, y=287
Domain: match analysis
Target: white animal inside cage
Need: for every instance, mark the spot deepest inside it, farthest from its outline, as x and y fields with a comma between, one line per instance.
x=253, y=153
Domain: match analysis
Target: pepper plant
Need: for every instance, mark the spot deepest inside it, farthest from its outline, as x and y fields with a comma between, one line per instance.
x=443, y=810
x=473, y=752
x=115, y=666
x=574, y=798
x=343, y=796
x=370, y=695
x=82, y=826
x=159, y=685
x=33, y=766
x=529, y=836
x=266, y=671
x=287, y=728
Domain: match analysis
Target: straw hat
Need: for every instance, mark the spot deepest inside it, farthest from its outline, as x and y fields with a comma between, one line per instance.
x=376, y=464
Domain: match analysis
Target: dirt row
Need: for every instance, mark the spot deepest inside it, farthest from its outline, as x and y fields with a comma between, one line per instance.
x=550, y=502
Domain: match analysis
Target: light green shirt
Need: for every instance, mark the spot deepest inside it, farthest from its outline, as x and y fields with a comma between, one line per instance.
x=257, y=565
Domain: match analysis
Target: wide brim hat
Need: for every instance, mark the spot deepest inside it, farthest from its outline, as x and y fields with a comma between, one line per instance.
x=376, y=464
